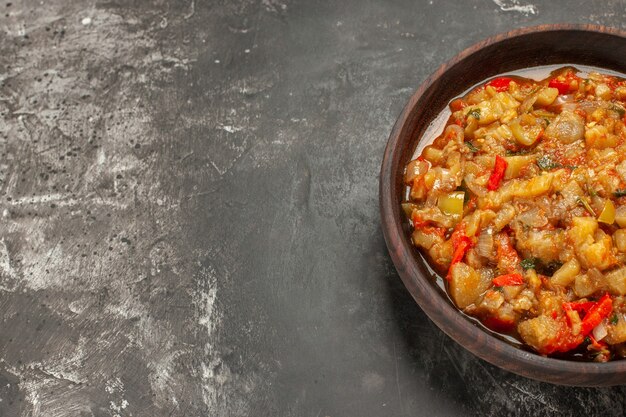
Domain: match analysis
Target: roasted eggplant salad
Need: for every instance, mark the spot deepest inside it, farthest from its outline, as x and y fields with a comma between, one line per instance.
x=520, y=205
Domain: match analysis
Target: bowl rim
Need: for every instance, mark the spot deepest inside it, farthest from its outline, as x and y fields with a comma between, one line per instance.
x=492, y=349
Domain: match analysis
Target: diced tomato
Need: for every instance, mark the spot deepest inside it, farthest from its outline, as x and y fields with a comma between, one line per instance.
x=508, y=279
x=499, y=84
x=497, y=174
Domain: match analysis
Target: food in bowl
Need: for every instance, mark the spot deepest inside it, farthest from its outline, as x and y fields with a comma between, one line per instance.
x=521, y=205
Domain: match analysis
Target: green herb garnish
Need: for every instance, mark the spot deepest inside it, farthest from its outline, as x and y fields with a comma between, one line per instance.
x=586, y=205
x=516, y=152
x=620, y=193
x=475, y=113
x=546, y=163
x=471, y=146
x=529, y=263
x=614, y=319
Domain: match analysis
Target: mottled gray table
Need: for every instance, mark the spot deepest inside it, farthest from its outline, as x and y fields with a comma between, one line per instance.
x=189, y=218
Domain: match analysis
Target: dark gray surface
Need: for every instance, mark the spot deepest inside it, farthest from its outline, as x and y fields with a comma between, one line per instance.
x=189, y=219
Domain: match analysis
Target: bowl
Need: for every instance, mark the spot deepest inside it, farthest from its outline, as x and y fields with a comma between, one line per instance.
x=595, y=46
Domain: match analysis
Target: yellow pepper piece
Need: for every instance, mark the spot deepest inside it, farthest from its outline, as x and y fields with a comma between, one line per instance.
x=608, y=213
x=452, y=203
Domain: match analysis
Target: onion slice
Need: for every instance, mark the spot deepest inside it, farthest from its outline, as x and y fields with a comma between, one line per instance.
x=599, y=332
x=484, y=247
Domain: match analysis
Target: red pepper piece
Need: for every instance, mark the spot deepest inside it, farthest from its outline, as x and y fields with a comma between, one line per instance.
x=563, y=83
x=508, y=279
x=461, y=244
x=460, y=250
x=562, y=86
x=499, y=84
x=598, y=312
x=497, y=174
x=580, y=306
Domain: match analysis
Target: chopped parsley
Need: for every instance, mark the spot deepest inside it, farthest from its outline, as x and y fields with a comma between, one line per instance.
x=529, y=263
x=614, y=319
x=516, y=152
x=546, y=163
x=471, y=146
x=620, y=193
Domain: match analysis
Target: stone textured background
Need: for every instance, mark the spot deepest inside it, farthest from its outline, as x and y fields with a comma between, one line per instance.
x=189, y=219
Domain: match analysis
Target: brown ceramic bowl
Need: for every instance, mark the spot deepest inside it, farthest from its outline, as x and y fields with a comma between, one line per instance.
x=542, y=45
